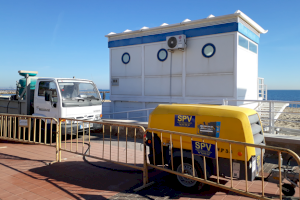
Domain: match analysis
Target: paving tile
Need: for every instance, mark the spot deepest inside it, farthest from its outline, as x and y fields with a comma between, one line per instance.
x=29, y=196
x=54, y=196
x=28, y=186
x=5, y=194
x=16, y=190
x=13, y=197
x=80, y=180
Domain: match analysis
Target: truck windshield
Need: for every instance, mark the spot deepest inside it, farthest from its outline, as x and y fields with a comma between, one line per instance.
x=78, y=91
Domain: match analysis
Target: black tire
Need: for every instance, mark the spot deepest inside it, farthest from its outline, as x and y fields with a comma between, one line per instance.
x=288, y=189
x=185, y=183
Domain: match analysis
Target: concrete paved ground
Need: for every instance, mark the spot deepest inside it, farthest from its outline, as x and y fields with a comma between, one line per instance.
x=25, y=174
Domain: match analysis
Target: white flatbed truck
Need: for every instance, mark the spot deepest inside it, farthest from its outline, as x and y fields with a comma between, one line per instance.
x=55, y=97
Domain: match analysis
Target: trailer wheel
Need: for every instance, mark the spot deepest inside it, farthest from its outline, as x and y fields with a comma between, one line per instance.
x=187, y=183
x=288, y=190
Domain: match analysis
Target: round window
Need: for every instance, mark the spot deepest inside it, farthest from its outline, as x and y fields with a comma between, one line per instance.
x=125, y=58
x=208, y=50
x=162, y=55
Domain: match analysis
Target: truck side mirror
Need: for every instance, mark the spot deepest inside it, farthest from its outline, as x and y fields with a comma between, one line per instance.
x=48, y=95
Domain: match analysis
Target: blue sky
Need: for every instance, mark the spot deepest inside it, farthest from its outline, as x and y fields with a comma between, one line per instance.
x=65, y=38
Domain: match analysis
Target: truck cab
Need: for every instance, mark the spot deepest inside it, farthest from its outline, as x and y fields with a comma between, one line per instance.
x=55, y=98
x=67, y=98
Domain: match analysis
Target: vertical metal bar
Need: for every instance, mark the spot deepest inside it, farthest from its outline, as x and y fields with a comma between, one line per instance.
x=15, y=125
x=1, y=125
x=280, y=180
x=51, y=131
x=45, y=132
x=34, y=131
x=66, y=134
x=103, y=141
x=262, y=172
x=230, y=153
x=110, y=142
x=29, y=130
x=145, y=169
x=83, y=134
x=76, y=138
x=147, y=115
x=89, y=139
x=246, y=167
x=58, y=141
x=127, y=115
x=58, y=138
x=217, y=162
x=270, y=117
x=126, y=142
x=10, y=127
x=134, y=146
x=171, y=146
x=298, y=183
x=181, y=153
x=118, y=143
x=162, y=150
x=19, y=131
x=193, y=159
x=153, y=150
x=23, y=133
x=204, y=163
x=40, y=130
x=5, y=126
x=71, y=134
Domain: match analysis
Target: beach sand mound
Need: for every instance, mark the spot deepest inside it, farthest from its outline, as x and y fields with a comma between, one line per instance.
x=292, y=120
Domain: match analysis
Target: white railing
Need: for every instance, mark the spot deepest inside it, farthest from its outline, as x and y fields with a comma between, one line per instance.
x=273, y=114
x=128, y=116
x=277, y=116
x=262, y=89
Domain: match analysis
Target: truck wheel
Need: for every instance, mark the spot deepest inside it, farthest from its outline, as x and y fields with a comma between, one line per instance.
x=187, y=183
x=288, y=189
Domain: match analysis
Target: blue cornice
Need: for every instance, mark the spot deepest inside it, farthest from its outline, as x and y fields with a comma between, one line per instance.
x=208, y=30
x=248, y=33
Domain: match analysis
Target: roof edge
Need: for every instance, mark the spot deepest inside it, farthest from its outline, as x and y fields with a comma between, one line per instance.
x=251, y=22
x=238, y=13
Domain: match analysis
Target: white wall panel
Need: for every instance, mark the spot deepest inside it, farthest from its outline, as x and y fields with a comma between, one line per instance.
x=133, y=68
x=128, y=86
x=120, y=106
x=209, y=86
x=153, y=66
x=247, y=74
x=221, y=61
x=160, y=86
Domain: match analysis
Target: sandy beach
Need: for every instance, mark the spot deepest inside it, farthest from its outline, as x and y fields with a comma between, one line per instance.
x=293, y=118
x=7, y=91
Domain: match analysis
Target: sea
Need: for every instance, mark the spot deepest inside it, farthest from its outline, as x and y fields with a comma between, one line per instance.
x=107, y=95
x=284, y=95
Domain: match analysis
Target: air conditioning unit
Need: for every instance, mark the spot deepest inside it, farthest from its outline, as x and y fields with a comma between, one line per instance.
x=176, y=42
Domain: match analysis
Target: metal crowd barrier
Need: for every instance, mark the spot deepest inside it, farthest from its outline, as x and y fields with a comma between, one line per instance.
x=29, y=129
x=82, y=144
x=216, y=141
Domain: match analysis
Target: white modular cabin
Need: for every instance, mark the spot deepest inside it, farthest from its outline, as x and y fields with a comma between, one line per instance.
x=218, y=60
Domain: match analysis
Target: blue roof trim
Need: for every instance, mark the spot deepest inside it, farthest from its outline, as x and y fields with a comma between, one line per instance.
x=208, y=30
x=248, y=33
